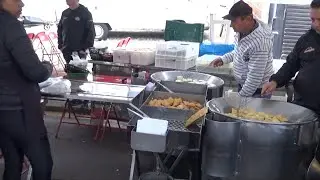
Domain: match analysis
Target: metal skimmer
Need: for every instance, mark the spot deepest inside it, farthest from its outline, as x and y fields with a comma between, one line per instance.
x=243, y=101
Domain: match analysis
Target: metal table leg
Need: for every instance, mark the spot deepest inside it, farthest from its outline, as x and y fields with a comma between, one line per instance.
x=135, y=166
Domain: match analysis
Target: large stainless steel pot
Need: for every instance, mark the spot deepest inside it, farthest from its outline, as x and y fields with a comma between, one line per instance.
x=249, y=150
x=215, y=84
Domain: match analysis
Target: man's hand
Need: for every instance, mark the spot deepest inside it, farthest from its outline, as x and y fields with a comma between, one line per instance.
x=217, y=62
x=269, y=87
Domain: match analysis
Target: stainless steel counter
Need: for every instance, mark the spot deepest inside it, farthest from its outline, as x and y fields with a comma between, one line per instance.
x=102, y=92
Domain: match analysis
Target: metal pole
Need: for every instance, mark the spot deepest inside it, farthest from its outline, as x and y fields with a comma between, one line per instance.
x=228, y=33
x=212, y=28
x=133, y=164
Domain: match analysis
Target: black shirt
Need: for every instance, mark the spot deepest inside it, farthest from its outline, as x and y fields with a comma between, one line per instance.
x=76, y=29
x=305, y=59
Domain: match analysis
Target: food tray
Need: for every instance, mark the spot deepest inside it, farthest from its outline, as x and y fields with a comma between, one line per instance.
x=175, y=117
x=188, y=97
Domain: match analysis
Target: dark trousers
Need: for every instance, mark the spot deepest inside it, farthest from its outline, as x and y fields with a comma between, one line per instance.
x=14, y=145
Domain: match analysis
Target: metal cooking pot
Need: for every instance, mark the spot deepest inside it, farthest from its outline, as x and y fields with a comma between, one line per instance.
x=251, y=150
x=215, y=84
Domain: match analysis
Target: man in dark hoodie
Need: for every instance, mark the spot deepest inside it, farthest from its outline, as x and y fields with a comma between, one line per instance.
x=76, y=31
x=305, y=59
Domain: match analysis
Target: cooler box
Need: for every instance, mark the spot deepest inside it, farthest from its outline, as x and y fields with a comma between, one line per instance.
x=121, y=55
x=142, y=56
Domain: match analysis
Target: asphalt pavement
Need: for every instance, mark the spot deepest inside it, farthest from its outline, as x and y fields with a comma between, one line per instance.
x=78, y=157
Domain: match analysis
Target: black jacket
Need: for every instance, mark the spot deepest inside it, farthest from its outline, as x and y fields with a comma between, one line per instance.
x=18, y=56
x=76, y=29
x=305, y=59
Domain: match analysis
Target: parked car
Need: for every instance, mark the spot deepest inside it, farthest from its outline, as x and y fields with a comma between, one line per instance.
x=36, y=24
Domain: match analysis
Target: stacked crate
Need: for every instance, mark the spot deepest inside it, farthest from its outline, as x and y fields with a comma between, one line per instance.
x=181, y=47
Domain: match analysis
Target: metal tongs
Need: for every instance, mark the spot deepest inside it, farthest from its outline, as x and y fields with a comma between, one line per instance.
x=165, y=87
x=142, y=115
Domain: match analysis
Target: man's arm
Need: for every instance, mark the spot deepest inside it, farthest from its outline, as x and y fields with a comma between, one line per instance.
x=288, y=69
x=91, y=33
x=59, y=31
x=20, y=47
x=257, y=67
x=228, y=58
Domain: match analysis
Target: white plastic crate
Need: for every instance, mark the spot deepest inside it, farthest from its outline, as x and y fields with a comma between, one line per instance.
x=175, y=63
x=121, y=55
x=179, y=49
x=142, y=57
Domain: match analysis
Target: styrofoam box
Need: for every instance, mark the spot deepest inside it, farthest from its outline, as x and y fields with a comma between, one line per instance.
x=175, y=62
x=179, y=49
x=142, y=56
x=121, y=56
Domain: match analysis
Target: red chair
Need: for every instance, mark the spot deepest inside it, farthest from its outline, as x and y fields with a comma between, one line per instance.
x=124, y=42
x=31, y=36
x=49, y=49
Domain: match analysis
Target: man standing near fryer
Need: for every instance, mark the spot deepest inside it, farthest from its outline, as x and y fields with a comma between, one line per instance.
x=252, y=57
x=305, y=59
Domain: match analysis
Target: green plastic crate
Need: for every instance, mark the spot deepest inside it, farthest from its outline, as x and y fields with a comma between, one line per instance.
x=77, y=76
x=180, y=31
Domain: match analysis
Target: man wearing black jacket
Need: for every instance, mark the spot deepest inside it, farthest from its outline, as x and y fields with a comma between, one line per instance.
x=76, y=31
x=305, y=59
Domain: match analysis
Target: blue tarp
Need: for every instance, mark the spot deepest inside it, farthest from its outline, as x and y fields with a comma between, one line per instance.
x=215, y=49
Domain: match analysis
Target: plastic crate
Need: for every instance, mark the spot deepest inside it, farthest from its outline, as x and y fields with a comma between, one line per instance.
x=175, y=63
x=77, y=76
x=180, y=31
x=180, y=49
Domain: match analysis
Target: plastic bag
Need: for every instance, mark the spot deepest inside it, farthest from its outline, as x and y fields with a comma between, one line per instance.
x=76, y=61
x=58, y=86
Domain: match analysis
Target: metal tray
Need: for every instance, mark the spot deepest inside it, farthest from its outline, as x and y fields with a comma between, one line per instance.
x=212, y=81
x=188, y=97
x=198, y=89
x=175, y=117
x=178, y=135
x=99, y=91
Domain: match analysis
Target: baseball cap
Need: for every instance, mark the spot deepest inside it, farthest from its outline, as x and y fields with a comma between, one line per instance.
x=239, y=9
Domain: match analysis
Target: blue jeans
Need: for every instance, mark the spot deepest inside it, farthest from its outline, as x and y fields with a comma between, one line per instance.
x=256, y=94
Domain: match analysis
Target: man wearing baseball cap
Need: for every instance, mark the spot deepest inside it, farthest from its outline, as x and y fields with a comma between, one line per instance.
x=252, y=57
